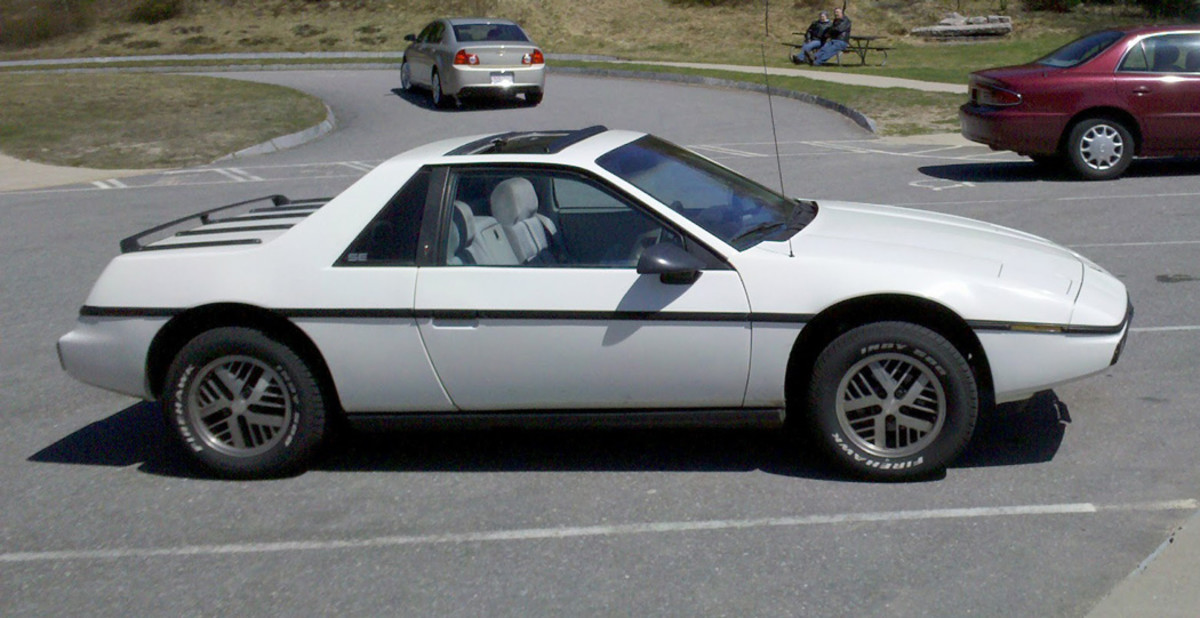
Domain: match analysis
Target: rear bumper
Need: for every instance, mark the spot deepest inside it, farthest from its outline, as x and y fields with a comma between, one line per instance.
x=110, y=353
x=1009, y=128
x=497, y=81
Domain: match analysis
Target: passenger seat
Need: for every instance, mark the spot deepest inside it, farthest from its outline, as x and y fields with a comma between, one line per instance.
x=515, y=205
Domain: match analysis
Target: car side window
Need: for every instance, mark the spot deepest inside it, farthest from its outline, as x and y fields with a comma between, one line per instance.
x=1169, y=53
x=391, y=238
x=426, y=33
x=1135, y=59
x=544, y=218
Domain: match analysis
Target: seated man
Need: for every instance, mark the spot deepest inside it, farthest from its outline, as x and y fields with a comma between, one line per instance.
x=812, y=39
x=837, y=38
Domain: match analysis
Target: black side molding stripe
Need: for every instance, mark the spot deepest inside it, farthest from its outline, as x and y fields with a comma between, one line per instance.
x=590, y=316
x=452, y=314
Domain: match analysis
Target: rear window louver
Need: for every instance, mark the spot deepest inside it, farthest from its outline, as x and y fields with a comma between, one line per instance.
x=281, y=214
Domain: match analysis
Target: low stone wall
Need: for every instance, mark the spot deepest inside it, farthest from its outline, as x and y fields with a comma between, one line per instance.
x=957, y=26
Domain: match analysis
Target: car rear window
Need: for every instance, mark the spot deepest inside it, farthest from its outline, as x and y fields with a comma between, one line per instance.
x=478, y=33
x=1080, y=51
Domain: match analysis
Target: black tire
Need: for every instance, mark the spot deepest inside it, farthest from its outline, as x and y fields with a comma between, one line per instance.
x=244, y=405
x=1050, y=163
x=1099, y=148
x=439, y=98
x=533, y=98
x=405, y=76
x=909, y=433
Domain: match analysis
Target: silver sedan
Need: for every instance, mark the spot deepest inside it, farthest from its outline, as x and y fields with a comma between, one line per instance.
x=456, y=58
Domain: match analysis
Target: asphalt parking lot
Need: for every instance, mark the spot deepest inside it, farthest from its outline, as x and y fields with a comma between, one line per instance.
x=1053, y=504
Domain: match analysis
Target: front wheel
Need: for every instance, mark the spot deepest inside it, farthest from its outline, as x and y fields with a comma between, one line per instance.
x=1100, y=148
x=892, y=401
x=244, y=405
x=405, y=76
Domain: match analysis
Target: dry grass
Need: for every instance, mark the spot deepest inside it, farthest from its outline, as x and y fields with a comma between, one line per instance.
x=638, y=29
x=143, y=120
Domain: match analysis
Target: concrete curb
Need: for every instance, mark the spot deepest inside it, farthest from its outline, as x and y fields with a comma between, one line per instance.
x=857, y=117
x=288, y=141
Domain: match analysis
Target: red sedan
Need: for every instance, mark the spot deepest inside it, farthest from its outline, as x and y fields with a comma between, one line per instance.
x=1096, y=102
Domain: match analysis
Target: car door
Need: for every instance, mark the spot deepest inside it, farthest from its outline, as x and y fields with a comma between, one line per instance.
x=509, y=328
x=1159, y=80
x=420, y=55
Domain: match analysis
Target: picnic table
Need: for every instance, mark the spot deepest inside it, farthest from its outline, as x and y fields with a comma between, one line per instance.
x=859, y=44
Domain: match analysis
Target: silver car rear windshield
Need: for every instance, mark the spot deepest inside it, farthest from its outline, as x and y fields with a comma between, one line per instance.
x=1080, y=51
x=728, y=205
x=482, y=33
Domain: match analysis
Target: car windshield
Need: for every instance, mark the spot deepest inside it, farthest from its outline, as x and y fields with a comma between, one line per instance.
x=730, y=206
x=478, y=33
x=1081, y=50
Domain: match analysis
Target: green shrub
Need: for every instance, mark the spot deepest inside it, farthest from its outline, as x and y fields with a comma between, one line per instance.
x=1167, y=8
x=30, y=23
x=155, y=11
x=1057, y=6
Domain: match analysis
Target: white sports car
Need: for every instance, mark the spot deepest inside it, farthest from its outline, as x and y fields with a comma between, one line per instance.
x=587, y=277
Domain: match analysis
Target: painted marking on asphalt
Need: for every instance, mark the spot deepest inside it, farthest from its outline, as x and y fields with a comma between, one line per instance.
x=357, y=165
x=111, y=183
x=729, y=151
x=1161, y=243
x=1165, y=329
x=540, y=534
x=236, y=174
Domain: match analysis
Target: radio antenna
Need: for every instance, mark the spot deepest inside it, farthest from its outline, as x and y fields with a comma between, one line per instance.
x=767, y=79
x=771, y=106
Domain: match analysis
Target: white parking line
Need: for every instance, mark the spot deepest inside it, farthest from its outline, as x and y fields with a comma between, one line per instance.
x=537, y=534
x=729, y=151
x=1165, y=329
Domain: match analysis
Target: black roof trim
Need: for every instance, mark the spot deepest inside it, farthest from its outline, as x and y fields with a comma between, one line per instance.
x=494, y=144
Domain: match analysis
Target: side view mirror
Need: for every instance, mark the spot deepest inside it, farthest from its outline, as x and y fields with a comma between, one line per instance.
x=672, y=264
x=412, y=38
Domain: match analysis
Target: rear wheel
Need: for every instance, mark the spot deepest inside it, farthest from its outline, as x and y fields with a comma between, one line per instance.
x=244, y=405
x=440, y=100
x=892, y=401
x=1100, y=148
x=533, y=98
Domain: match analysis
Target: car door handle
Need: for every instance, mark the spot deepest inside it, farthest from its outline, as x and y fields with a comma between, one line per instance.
x=1140, y=90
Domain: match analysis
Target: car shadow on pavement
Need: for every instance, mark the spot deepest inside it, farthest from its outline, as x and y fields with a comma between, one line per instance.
x=420, y=98
x=135, y=436
x=1016, y=434
x=1024, y=432
x=1028, y=171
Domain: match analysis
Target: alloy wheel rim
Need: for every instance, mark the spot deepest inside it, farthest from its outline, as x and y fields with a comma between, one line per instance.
x=1101, y=147
x=891, y=405
x=405, y=76
x=437, y=89
x=240, y=406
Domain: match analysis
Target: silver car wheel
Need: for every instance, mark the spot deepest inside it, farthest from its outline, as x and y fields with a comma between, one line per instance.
x=405, y=76
x=891, y=405
x=1101, y=147
x=240, y=406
